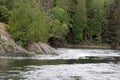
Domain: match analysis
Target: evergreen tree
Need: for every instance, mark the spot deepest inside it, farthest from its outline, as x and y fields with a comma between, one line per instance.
x=79, y=19
x=5, y=7
x=112, y=30
x=96, y=15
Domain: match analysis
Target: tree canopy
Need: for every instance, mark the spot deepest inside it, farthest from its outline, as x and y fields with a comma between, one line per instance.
x=76, y=21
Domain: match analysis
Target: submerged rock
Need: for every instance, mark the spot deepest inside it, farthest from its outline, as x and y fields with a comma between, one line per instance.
x=8, y=45
x=42, y=48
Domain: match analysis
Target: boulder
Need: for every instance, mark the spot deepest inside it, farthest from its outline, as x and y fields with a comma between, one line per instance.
x=42, y=48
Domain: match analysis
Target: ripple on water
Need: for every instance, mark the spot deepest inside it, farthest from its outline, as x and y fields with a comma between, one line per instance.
x=49, y=67
x=74, y=54
x=74, y=72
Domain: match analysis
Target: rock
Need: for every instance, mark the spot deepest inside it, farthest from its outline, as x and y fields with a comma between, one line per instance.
x=55, y=42
x=8, y=45
x=1, y=49
x=42, y=48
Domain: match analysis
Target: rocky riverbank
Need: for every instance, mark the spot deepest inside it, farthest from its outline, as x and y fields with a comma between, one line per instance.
x=41, y=48
x=8, y=47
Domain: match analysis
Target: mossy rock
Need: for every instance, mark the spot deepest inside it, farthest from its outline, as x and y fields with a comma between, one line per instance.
x=38, y=52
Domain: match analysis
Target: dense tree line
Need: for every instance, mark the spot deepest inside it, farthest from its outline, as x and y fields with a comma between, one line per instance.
x=112, y=28
x=72, y=21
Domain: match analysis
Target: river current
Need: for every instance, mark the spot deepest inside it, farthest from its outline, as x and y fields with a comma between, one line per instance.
x=71, y=64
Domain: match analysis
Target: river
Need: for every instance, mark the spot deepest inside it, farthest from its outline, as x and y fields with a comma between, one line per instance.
x=71, y=64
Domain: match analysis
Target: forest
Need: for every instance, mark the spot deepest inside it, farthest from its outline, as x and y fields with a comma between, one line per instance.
x=57, y=22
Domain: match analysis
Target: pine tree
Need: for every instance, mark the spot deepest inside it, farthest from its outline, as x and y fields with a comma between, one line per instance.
x=5, y=8
x=112, y=30
x=96, y=15
x=79, y=19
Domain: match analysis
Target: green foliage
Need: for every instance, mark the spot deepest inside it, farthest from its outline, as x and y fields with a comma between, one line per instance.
x=37, y=52
x=90, y=21
x=79, y=19
x=5, y=7
x=62, y=4
x=58, y=24
x=28, y=23
x=58, y=13
x=58, y=29
x=4, y=45
x=11, y=46
x=112, y=30
x=96, y=16
x=3, y=12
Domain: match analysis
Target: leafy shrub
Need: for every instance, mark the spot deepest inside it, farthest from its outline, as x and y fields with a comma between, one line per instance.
x=58, y=24
x=28, y=23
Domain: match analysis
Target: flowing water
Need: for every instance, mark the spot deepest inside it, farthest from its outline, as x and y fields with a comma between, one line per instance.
x=71, y=64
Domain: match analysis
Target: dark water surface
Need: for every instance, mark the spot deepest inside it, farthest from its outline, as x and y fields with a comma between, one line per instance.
x=72, y=64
